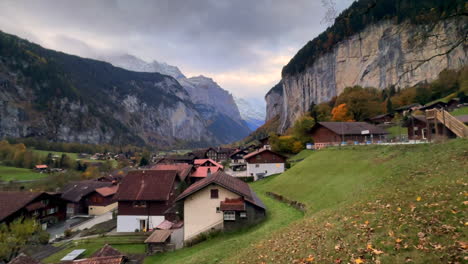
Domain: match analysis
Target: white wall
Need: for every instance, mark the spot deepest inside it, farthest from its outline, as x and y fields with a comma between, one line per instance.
x=128, y=223
x=267, y=168
x=200, y=211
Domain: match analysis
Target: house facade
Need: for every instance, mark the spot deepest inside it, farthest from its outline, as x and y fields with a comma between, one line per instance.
x=207, y=205
x=264, y=162
x=47, y=208
x=77, y=195
x=145, y=199
x=102, y=200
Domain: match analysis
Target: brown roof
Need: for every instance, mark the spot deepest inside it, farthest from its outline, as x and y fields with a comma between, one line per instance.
x=24, y=259
x=100, y=260
x=258, y=151
x=107, y=191
x=12, y=202
x=107, y=251
x=146, y=185
x=224, y=180
x=352, y=128
x=183, y=169
x=159, y=236
x=74, y=192
x=165, y=225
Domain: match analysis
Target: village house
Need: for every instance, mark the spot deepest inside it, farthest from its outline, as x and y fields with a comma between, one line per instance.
x=168, y=236
x=102, y=200
x=47, y=208
x=407, y=109
x=145, y=199
x=382, y=119
x=420, y=129
x=335, y=133
x=219, y=154
x=204, y=168
x=264, y=162
x=219, y=202
x=238, y=161
x=78, y=194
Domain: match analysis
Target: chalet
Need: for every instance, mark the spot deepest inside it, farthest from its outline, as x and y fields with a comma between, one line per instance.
x=404, y=110
x=78, y=194
x=335, y=133
x=264, y=162
x=382, y=119
x=219, y=154
x=145, y=198
x=47, y=208
x=420, y=129
x=204, y=168
x=183, y=169
x=237, y=160
x=102, y=200
x=171, y=159
x=449, y=106
x=219, y=202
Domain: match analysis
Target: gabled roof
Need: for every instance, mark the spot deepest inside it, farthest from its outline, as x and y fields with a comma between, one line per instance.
x=382, y=116
x=107, y=251
x=406, y=107
x=159, y=236
x=183, y=169
x=107, y=191
x=351, y=128
x=11, y=202
x=146, y=185
x=74, y=192
x=258, y=151
x=226, y=181
x=202, y=171
x=203, y=161
x=238, y=152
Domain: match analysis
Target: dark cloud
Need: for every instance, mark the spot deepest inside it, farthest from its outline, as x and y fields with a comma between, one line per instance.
x=210, y=37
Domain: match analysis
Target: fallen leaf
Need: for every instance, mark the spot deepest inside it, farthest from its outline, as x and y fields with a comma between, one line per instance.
x=359, y=261
x=398, y=240
x=418, y=199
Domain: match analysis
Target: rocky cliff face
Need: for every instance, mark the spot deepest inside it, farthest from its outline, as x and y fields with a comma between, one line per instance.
x=59, y=97
x=274, y=101
x=214, y=104
x=382, y=55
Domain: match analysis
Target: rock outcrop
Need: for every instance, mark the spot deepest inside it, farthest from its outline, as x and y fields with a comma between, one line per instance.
x=382, y=55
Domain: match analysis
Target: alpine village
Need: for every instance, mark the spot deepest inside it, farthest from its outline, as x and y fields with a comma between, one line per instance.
x=340, y=136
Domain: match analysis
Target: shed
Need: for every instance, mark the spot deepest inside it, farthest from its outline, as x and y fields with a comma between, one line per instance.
x=159, y=241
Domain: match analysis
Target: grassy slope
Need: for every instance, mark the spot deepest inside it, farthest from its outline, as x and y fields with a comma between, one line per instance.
x=380, y=204
x=300, y=156
x=230, y=244
x=125, y=244
x=12, y=173
x=460, y=111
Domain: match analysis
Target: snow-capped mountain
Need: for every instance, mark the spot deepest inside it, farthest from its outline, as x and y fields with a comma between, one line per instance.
x=252, y=110
x=215, y=104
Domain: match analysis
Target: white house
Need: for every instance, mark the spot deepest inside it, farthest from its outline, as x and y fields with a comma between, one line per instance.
x=264, y=162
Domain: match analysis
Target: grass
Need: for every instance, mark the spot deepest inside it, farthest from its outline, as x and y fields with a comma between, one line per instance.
x=225, y=247
x=71, y=155
x=17, y=174
x=300, y=156
x=125, y=244
x=377, y=204
x=396, y=131
x=460, y=111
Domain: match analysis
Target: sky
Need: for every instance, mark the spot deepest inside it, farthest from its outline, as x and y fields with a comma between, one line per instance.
x=241, y=44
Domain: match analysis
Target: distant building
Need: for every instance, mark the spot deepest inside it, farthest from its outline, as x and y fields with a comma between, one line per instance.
x=102, y=200
x=145, y=199
x=334, y=133
x=78, y=194
x=420, y=129
x=264, y=162
x=184, y=169
x=219, y=202
x=47, y=208
x=382, y=119
x=204, y=168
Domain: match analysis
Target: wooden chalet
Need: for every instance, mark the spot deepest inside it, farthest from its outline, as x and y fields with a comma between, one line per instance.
x=264, y=162
x=78, y=194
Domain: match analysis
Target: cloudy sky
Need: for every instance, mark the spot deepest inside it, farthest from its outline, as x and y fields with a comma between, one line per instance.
x=242, y=44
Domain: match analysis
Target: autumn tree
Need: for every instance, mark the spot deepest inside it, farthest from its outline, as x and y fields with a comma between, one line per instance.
x=341, y=113
x=91, y=172
x=362, y=103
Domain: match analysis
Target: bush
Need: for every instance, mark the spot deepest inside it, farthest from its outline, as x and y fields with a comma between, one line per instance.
x=68, y=233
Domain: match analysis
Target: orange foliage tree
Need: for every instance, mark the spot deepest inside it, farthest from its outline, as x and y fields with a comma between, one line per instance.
x=341, y=113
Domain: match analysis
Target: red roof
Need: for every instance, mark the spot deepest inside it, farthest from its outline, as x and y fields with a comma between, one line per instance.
x=202, y=172
x=107, y=191
x=12, y=202
x=236, y=204
x=107, y=251
x=255, y=153
x=203, y=161
x=183, y=169
x=165, y=225
x=41, y=166
x=146, y=185
x=226, y=181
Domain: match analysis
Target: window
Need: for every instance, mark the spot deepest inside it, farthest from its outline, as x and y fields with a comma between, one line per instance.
x=217, y=210
x=257, y=165
x=51, y=211
x=214, y=194
x=243, y=214
x=229, y=216
x=139, y=204
x=45, y=202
